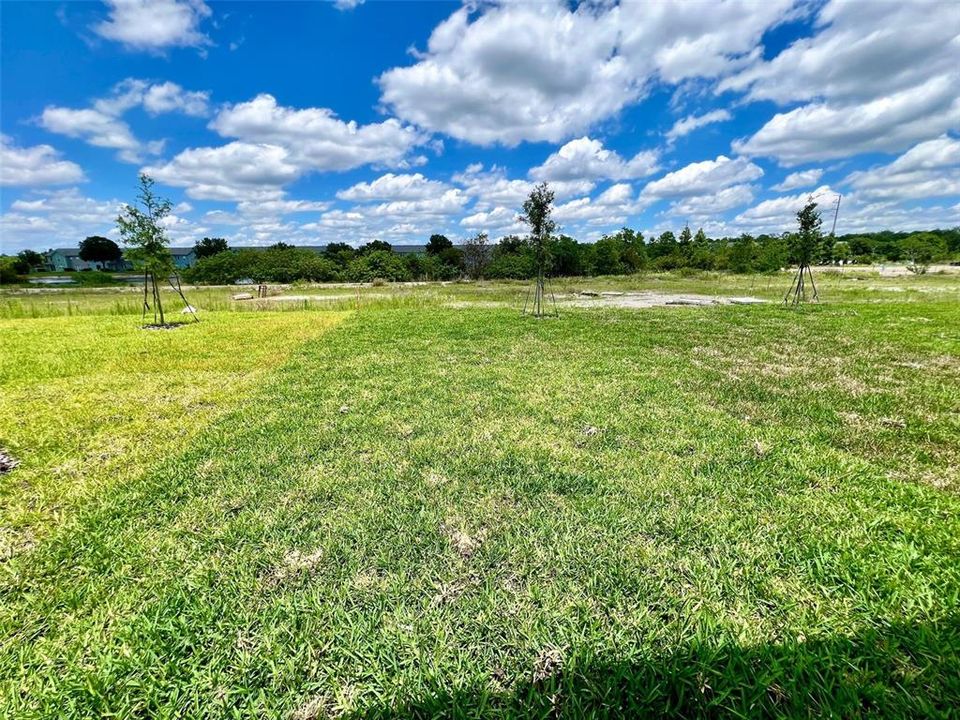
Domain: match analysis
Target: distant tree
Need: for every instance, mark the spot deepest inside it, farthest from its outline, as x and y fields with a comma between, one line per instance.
x=17, y=265
x=378, y=265
x=334, y=249
x=510, y=244
x=437, y=244
x=452, y=258
x=142, y=230
x=476, y=255
x=685, y=244
x=607, y=252
x=841, y=251
x=922, y=249
x=9, y=272
x=952, y=239
x=566, y=257
x=281, y=246
x=824, y=252
x=97, y=249
x=208, y=247
x=632, y=249
x=267, y=265
x=375, y=246
x=741, y=254
x=701, y=256
x=340, y=253
x=433, y=267
x=30, y=259
x=666, y=244
x=771, y=254
x=861, y=248
x=537, y=209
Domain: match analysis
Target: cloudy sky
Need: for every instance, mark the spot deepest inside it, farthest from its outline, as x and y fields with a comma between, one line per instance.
x=349, y=121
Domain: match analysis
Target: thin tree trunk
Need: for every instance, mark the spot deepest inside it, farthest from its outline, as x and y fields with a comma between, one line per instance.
x=156, y=291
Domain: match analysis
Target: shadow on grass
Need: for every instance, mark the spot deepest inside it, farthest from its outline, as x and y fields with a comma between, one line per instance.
x=901, y=671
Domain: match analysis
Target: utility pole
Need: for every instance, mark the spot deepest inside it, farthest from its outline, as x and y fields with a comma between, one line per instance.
x=836, y=212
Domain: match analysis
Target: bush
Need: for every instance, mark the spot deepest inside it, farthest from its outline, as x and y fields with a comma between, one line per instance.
x=431, y=267
x=8, y=270
x=283, y=264
x=220, y=269
x=922, y=249
x=514, y=266
x=378, y=265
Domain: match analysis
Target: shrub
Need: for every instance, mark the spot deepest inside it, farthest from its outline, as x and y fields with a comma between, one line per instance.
x=515, y=266
x=284, y=264
x=378, y=265
x=922, y=249
x=8, y=270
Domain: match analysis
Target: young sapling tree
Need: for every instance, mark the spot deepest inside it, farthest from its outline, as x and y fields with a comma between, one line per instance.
x=536, y=213
x=141, y=229
x=803, y=246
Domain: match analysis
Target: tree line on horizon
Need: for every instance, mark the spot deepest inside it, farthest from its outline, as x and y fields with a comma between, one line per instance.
x=513, y=257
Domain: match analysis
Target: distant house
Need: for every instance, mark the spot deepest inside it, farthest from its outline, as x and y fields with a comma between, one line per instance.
x=63, y=259
x=183, y=257
x=69, y=259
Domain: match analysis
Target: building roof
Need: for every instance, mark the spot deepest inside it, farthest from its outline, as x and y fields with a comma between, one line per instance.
x=75, y=252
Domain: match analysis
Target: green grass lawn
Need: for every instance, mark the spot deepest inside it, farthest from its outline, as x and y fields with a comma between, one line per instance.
x=412, y=509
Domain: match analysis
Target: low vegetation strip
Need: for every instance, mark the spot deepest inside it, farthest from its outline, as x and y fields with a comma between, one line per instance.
x=89, y=403
x=431, y=512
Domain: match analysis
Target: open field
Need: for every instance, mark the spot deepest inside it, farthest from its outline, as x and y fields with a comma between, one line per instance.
x=411, y=501
x=866, y=284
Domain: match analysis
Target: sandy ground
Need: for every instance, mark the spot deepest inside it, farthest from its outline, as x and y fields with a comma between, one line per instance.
x=645, y=299
x=886, y=269
x=650, y=299
x=314, y=298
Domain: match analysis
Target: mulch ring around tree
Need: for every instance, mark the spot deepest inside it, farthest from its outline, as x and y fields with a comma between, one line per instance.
x=7, y=462
x=164, y=326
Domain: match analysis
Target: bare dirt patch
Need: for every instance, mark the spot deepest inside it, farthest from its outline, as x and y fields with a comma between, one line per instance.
x=548, y=664
x=318, y=298
x=461, y=541
x=164, y=326
x=317, y=708
x=649, y=299
x=295, y=563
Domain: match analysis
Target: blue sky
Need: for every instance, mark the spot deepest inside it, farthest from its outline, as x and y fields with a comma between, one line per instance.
x=319, y=122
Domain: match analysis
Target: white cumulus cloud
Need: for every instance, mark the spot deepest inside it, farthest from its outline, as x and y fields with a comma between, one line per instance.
x=102, y=124
x=701, y=178
x=801, y=179
x=587, y=159
x=394, y=187
x=37, y=165
x=690, y=123
x=509, y=72
x=875, y=77
x=315, y=137
x=155, y=25
x=929, y=169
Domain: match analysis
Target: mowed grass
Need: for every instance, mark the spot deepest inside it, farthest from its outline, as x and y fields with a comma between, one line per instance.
x=434, y=512
x=88, y=401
